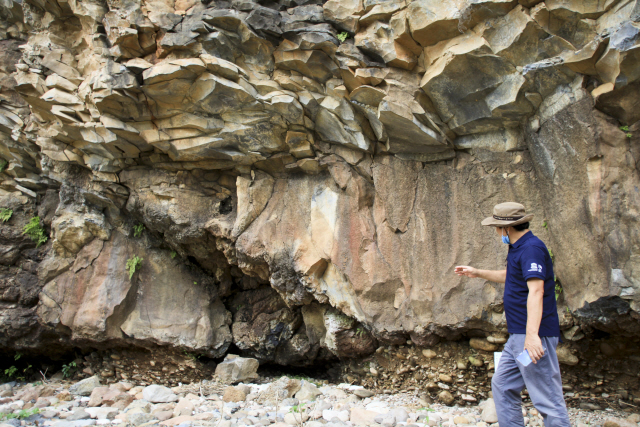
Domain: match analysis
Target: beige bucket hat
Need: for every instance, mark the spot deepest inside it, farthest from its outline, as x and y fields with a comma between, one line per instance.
x=506, y=215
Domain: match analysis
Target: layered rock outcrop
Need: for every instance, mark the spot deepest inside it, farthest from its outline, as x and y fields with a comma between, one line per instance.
x=298, y=178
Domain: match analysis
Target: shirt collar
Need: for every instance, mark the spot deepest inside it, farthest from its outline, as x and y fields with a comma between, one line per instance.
x=523, y=239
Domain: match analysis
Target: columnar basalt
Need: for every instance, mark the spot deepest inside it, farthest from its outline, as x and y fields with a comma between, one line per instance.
x=303, y=175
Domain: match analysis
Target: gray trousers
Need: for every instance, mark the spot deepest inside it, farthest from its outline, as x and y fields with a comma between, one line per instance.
x=542, y=381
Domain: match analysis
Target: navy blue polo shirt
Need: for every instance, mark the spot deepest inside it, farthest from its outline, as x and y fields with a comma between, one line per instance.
x=529, y=259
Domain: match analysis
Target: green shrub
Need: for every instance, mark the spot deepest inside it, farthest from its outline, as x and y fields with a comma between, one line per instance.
x=3, y=164
x=5, y=214
x=10, y=371
x=173, y=254
x=68, y=370
x=35, y=231
x=133, y=264
x=25, y=413
x=137, y=230
x=343, y=36
x=558, y=291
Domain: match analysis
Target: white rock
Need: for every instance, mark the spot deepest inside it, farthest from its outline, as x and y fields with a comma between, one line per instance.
x=378, y=406
x=158, y=394
x=307, y=392
x=293, y=419
x=360, y=416
x=489, y=414
x=329, y=414
x=102, y=413
x=400, y=414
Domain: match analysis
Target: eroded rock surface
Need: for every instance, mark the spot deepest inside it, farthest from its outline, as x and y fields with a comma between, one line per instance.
x=297, y=179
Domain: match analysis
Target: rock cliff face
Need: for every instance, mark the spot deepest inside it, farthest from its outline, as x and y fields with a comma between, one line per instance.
x=300, y=177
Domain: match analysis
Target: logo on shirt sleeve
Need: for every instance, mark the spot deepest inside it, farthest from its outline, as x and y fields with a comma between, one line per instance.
x=536, y=267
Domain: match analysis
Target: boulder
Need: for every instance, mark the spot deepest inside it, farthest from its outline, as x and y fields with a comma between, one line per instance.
x=307, y=392
x=482, y=344
x=399, y=414
x=104, y=413
x=489, y=414
x=234, y=394
x=428, y=353
x=566, y=357
x=361, y=416
x=158, y=394
x=138, y=418
x=79, y=414
x=85, y=387
x=295, y=418
x=329, y=415
x=363, y=393
x=95, y=399
x=284, y=388
x=183, y=407
x=618, y=422
x=445, y=397
x=235, y=369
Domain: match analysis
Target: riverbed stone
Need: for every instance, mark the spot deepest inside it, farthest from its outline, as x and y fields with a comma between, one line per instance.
x=235, y=369
x=158, y=394
x=85, y=387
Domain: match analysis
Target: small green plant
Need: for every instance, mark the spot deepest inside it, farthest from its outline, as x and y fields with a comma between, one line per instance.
x=343, y=36
x=296, y=409
x=5, y=214
x=137, y=230
x=68, y=370
x=173, y=254
x=10, y=371
x=25, y=413
x=133, y=264
x=17, y=356
x=3, y=164
x=551, y=254
x=568, y=311
x=558, y=291
x=35, y=231
x=192, y=356
x=360, y=331
x=626, y=130
x=544, y=224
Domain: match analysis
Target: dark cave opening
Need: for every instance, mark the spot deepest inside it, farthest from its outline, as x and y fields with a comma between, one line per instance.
x=25, y=366
x=328, y=371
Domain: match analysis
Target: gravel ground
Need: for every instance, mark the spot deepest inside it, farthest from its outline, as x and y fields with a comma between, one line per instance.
x=280, y=402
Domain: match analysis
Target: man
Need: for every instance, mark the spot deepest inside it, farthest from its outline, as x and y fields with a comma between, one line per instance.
x=532, y=322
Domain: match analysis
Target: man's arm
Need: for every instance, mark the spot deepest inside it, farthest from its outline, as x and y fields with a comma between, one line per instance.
x=498, y=276
x=532, y=342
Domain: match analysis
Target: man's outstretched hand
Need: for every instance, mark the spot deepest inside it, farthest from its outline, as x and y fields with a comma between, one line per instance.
x=465, y=270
